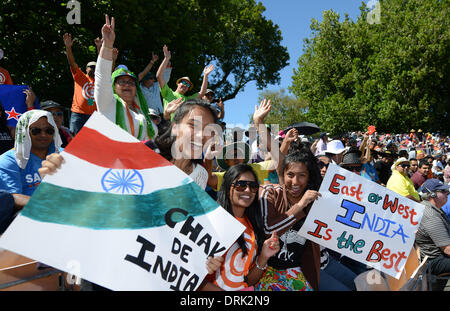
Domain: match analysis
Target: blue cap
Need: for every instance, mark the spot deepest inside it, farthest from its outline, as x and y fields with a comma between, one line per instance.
x=432, y=185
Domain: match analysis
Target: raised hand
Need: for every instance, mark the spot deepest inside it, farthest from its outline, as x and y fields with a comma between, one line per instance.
x=208, y=70
x=172, y=107
x=155, y=57
x=262, y=111
x=98, y=43
x=68, y=41
x=30, y=97
x=115, y=52
x=166, y=52
x=291, y=135
x=108, y=34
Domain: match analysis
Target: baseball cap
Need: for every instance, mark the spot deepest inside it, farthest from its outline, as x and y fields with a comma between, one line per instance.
x=209, y=91
x=148, y=76
x=153, y=112
x=433, y=184
x=50, y=104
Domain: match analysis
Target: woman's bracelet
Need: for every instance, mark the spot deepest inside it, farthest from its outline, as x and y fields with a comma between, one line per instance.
x=258, y=267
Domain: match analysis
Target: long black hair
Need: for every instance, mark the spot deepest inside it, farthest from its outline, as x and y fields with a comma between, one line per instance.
x=165, y=140
x=253, y=212
x=301, y=153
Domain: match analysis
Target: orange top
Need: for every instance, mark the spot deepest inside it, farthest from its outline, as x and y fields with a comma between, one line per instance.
x=5, y=78
x=231, y=274
x=83, y=95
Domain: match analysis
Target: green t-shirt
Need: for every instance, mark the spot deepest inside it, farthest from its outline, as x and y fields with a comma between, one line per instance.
x=168, y=95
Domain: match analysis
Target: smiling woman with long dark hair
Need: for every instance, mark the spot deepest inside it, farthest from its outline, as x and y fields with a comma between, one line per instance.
x=246, y=260
x=284, y=208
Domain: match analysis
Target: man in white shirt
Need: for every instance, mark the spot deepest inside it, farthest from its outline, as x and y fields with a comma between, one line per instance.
x=322, y=144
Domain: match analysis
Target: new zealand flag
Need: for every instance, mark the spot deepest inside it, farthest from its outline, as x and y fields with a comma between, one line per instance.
x=12, y=98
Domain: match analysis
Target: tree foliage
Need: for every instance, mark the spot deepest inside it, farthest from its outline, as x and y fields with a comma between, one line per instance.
x=393, y=74
x=286, y=109
x=232, y=34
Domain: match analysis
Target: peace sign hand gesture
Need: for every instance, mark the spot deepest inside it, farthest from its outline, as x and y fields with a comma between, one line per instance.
x=108, y=33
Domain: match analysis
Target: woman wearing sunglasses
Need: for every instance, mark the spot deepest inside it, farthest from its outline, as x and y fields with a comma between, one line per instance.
x=36, y=137
x=284, y=208
x=119, y=97
x=246, y=260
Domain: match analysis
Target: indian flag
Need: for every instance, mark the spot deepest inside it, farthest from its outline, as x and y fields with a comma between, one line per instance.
x=121, y=216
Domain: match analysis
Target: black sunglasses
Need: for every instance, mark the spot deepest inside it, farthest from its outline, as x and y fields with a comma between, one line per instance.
x=405, y=165
x=37, y=130
x=323, y=164
x=241, y=185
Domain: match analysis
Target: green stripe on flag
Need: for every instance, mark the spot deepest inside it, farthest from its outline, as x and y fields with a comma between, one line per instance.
x=95, y=210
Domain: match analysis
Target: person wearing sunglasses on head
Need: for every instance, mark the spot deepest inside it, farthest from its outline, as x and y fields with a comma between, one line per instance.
x=36, y=137
x=246, y=260
x=184, y=84
x=400, y=182
x=58, y=115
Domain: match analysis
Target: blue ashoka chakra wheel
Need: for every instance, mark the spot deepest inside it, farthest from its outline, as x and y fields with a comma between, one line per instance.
x=122, y=181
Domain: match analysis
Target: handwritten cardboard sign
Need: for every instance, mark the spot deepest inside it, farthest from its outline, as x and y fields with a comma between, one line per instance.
x=363, y=221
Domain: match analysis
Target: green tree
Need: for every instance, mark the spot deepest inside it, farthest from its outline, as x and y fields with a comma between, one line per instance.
x=286, y=109
x=393, y=74
x=232, y=34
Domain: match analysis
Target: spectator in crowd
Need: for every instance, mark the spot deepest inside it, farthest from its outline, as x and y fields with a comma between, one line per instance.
x=335, y=150
x=58, y=116
x=36, y=137
x=321, y=145
x=6, y=140
x=433, y=235
x=383, y=166
x=150, y=86
x=119, y=97
x=414, y=167
x=184, y=84
x=239, y=152
x=419, y=177
x=246, y=260
x=5, y=78
x=399, y=181
x=209, y=97
x=156, y=119
x=284, y=208
x=83, y=104
x=186, y=138
x=324, y=162
x=430, y=160
x=437, y=168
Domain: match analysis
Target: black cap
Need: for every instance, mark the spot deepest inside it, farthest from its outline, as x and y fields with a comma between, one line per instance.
x=50, y=104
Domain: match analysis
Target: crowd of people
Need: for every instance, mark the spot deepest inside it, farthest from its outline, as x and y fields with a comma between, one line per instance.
x=267, y=182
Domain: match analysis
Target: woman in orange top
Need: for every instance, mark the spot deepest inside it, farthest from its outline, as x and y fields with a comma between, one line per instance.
x=246, y=260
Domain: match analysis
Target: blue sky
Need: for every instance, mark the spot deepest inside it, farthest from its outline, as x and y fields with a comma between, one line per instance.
x=293, y=17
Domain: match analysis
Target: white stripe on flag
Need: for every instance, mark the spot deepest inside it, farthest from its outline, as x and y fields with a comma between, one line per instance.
x=78, y=174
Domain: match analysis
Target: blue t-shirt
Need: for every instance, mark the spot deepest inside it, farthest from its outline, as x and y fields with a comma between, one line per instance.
x=446, y=209
x=16, y=180
x=369, y=172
